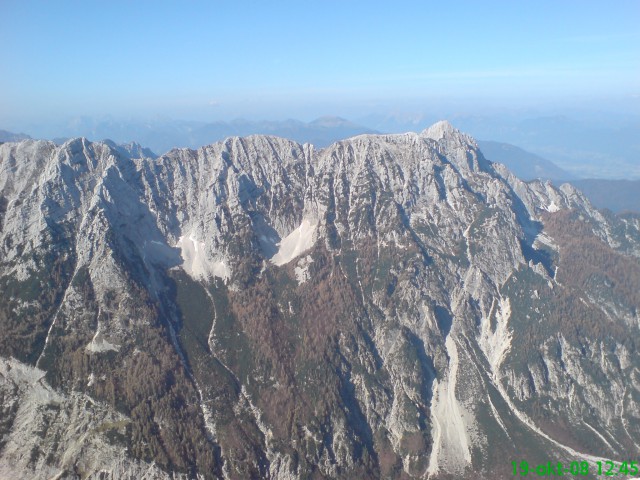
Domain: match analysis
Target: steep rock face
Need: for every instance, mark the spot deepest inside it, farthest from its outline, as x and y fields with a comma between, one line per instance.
x=391, y=306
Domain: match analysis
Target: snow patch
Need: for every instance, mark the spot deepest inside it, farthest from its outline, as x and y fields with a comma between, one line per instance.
x=296, y=243
x=544, y=239
x=302, y=269
x=196, y=263
x=192, y=253
x=98, y=344
x=220, y=269
x=552, y=207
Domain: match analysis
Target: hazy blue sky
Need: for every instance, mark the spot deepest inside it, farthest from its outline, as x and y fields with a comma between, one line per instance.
x=306, y=58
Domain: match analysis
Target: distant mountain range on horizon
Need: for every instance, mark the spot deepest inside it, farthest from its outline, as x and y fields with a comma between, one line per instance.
x=584, y=144
x=163, y=135
x=6, y=136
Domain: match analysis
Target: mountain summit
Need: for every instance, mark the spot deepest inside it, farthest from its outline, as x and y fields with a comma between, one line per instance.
x=440, y=130
x=390, y=306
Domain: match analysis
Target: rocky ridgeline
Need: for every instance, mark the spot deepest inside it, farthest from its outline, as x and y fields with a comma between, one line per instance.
x=391, y=306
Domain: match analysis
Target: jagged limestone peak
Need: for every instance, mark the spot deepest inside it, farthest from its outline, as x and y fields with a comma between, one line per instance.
x=440, y=130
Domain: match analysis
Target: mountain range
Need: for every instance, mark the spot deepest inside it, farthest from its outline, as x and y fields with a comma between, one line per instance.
x=6, y=136
x=389, y=306
x=161, y=135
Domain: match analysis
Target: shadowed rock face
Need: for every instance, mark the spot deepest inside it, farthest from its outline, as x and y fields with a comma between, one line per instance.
x=391, y=306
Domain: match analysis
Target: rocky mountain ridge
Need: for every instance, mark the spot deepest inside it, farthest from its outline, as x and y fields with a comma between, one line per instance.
x=391, y=306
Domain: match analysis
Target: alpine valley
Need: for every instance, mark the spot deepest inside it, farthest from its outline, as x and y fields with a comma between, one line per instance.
x=390, y=306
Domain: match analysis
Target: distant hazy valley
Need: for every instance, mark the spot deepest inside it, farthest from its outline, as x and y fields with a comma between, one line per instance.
x=615, y=195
